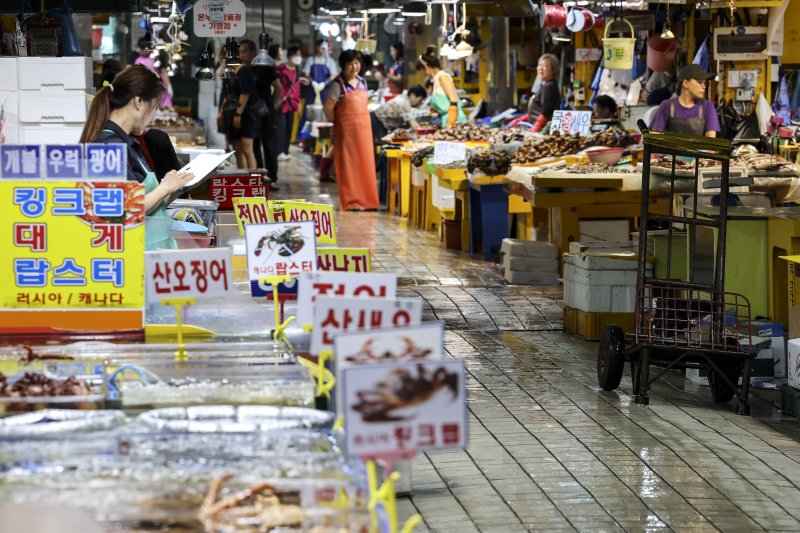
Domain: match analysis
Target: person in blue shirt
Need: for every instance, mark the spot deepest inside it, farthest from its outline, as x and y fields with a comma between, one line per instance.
x=120, y=111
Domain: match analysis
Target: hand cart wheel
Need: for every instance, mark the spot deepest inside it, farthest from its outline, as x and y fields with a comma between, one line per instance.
x=611, y=358
x=721, y=390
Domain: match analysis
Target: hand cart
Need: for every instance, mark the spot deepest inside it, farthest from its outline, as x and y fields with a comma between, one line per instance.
x=683, y=323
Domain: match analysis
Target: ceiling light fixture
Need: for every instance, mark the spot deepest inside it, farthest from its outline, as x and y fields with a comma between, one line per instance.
x=232, y=58
x=204, y=72
x=263, y=58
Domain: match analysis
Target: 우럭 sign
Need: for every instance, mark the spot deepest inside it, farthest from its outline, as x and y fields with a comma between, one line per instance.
x=445, y=152
x=430, y=414
x=64, y=161
x=20, y=162
x=219, y=18
x=250, y=211
x=346, y=285
x=285, y=249
x=333, y=315
x=343, y=259
x=321, y=214
x=71, y=246
x=200, y=274
x=567, y=121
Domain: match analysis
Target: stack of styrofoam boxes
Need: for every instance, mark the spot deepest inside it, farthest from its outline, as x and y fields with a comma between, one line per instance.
x=769, y=363
x=601, y=283
x=45, y=98
x=530, y=262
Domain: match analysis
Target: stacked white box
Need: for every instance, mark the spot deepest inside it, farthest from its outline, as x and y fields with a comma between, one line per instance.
x=600, y=283
x=49, y=103
x=530, y=262
x=793, y=363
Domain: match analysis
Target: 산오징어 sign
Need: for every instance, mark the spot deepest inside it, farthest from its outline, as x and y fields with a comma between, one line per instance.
x=200, y=274
x=321, y=214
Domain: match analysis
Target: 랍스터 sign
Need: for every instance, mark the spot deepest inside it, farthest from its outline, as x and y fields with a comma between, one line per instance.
x=445, y=152
x=200, y=274
x=321, y=214
x=71, y=246
x=280, y=249
x=430, y=415
x=567, y=121
x=332, y=259
x=250, y=211
x=333, y=315
x=219, y=18
x=347, y=285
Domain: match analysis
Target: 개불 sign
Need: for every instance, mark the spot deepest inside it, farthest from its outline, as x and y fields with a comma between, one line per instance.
x=316, y=284
x=188, y=273
x=280, y=249
x=401, y=408
x=333, y=315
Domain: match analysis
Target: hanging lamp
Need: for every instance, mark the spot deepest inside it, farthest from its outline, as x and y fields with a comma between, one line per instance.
x=263, y=58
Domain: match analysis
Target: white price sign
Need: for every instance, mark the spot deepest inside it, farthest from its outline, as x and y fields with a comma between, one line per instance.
x=567, y=121
x=400, y=408
x=334, y=315
x=280, y=249
x=219, y=18
x=201, y=274
x=315, y=284
x=445, y=152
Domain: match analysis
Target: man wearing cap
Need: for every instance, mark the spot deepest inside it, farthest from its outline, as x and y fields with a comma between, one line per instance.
x=690, y=113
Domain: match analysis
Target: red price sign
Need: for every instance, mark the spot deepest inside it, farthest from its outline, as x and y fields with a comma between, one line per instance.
x=316, y=284
x=188, y=273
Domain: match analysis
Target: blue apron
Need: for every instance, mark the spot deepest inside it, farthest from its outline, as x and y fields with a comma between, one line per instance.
x=318, y=72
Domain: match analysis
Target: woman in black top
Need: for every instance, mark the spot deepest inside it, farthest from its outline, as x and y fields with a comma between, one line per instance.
x=548, y=98
x=240, y=124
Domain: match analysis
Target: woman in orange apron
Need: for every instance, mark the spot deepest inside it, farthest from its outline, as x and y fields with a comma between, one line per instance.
x=353, y=151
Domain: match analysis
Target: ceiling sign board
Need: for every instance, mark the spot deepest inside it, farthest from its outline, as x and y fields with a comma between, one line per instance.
x=219, y=18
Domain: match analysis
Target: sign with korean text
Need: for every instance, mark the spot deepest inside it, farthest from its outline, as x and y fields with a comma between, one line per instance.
x=219, y=18
x=344, y=259
x=71, y=246
x=276, y=209
x=20, y=162
x=346, y=285
x=367, y=46
x=250, y=211
x=567, y=121
x=445, y=152
x=402, y=408
x=64, y=161
x=321, y=214
x=200, y=274
x=280, y=249
x=225, y=188
x=333, y=315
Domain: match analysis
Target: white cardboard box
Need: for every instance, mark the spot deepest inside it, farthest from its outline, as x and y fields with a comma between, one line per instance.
x=696, y=376
x=793, y=363
x=59, y=107
x=8, y=74
x=605, y=230
x=10, y=102
x=49, y=134
x=600, y=284
x=55, y=73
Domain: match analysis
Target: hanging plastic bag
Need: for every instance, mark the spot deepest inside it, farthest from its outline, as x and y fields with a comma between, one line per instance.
x=795, y=102
x=703, y=57
x=764, y=112
x=781, y=105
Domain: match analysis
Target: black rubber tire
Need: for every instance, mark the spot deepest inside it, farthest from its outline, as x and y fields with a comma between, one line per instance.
x=721, y=392
x=611, y=358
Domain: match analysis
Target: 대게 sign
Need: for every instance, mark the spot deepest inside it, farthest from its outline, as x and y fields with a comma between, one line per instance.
x=333, y=315
x=430, y=414
x=280, y=249
x=71, y=246
x=188, y=273
x=567, y=121
x=316, y=284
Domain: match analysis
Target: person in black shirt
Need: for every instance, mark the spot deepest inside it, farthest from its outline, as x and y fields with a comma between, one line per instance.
x=159, y=152
x=240, y=124
x=548, y=98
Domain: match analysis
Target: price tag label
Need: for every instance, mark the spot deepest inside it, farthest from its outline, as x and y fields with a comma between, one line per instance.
x=567, y=121
x=366, y=46
x=250, y=211
x=216, y=11
x=314, y=285
x=320, y=214
x=188, y=273
x=20, y=162
x=432, y=414
x=275, y=213
x=285, y=249
x=332, y=259
x=445, y=152
x=333, y=315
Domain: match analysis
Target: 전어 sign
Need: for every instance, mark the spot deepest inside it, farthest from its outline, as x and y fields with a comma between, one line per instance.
x=316, y=284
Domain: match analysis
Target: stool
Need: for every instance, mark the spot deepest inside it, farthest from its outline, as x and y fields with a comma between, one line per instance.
x=488, y=205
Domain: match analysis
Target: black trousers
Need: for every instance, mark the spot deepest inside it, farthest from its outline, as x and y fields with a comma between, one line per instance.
x=266, y=148
x=283, y=124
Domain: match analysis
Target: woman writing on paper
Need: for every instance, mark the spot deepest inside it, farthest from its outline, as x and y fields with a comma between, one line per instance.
x=120, y=111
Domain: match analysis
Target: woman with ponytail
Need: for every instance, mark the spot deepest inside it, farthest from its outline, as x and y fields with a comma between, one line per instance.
x=444, y=99
x=120, y=111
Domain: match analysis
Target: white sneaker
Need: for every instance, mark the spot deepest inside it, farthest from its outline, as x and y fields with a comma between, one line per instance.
x=283, y=157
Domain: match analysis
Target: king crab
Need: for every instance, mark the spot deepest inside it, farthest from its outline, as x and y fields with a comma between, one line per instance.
x=403, y=390
x=366, y=355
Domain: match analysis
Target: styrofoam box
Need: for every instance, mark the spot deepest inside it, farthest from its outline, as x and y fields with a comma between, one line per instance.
x=59, y=107
x=417, y=176
x=55, y=73
x=779, y=356
x=533, y=248
x=49, y=134
x=10, y=102
x=11, y=134
x=596, y=284
x=8, y=74
x=605, y=230
x=793, y=363
x=530, y=264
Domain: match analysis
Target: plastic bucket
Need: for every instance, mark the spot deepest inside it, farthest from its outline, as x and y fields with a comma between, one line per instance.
x=618, y=51
x=661, y=53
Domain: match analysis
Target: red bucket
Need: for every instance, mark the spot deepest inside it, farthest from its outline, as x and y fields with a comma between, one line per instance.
x=661, y=53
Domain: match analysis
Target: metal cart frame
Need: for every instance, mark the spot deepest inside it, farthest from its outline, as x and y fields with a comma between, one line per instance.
x=683, y=324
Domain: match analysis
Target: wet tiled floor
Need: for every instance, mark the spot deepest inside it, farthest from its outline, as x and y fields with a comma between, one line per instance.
x=548, y=449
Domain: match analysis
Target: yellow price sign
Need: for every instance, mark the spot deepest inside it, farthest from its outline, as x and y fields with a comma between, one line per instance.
x=71, y=246
x=276, y=209
x=344, y=259
x=320, y=214
x=250, y=211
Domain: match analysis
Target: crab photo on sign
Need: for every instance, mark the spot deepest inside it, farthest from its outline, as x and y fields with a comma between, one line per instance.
x=400, y=407
x=280, y=249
